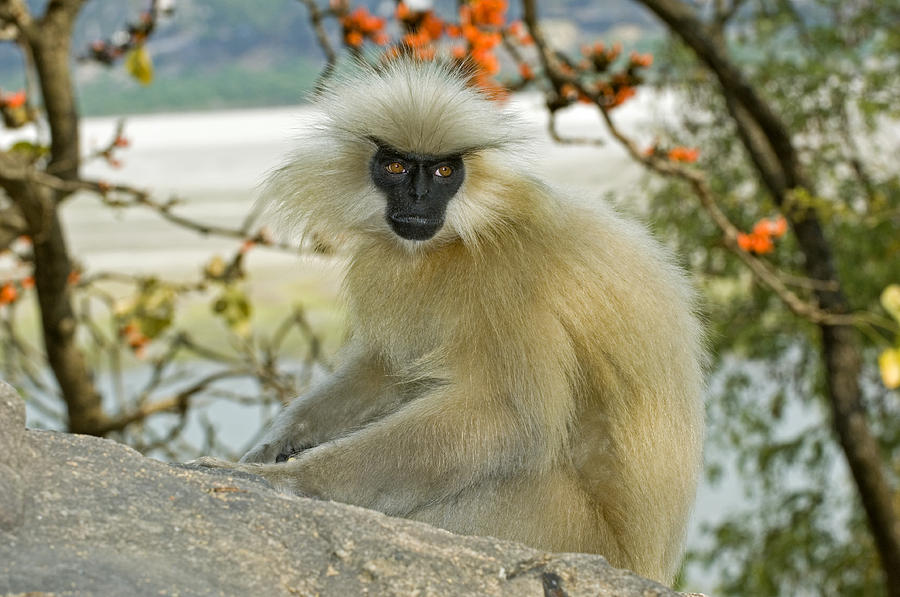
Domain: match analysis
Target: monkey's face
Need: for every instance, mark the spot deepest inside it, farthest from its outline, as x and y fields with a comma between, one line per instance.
x=418, y=189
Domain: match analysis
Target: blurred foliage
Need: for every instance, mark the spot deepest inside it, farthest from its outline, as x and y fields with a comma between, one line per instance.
x=831, y=70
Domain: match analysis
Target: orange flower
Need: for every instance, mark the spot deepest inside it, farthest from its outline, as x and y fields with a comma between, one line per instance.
x=489, y=12
x=525, y=71
x=74, y=277
x=359, y=25
x=354, y=38
x=487, y=60
x=622, y=95
x=8, y=294
x=755, y=243
x=763, y=244
x=684, y=154
x=418, y=40
x=568, y=91
x=135, y=339
x=588, y=51
x=432, y=25
x=760, y=239
x=775, y=227
x=644, y=60
x=13, y=100
x=28, y=282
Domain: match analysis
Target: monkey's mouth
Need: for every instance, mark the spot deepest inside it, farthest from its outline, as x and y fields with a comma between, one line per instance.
x=414, y=227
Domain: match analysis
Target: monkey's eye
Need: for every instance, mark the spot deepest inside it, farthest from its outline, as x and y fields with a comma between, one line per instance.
x=443, y=171
x=395, y=168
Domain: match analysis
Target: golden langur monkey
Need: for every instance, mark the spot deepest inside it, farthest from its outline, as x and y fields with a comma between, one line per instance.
x=522, y=363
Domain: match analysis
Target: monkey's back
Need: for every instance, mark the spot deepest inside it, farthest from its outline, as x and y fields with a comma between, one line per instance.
x=637, y=439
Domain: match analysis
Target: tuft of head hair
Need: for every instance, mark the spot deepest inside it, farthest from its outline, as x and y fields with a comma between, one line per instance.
x=425, y=107
x=415, y=106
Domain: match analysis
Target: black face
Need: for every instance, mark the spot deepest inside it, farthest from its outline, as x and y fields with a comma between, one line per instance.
x=418, y=188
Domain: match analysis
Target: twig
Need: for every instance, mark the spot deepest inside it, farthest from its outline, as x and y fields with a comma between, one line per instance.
x=316, y=18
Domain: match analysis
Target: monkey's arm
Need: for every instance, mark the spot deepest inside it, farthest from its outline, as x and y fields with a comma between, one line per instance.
x=353, y=395
x=474, y=428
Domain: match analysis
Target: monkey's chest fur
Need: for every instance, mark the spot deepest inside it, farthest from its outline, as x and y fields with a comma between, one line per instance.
x=426, y=308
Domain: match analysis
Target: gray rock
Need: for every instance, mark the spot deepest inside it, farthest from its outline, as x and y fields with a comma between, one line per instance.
x=87, y=516
x=14, y=451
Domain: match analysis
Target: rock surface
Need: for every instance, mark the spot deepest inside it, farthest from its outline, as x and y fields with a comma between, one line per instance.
x=86, y=516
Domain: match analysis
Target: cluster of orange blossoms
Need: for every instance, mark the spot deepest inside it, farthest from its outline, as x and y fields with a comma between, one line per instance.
x=9, y=291
x=618, y=88
x=361, y=25
x=423, y=29
x=687, y=155
x=479, y=27
x=480, y=30
x=599, y=56
x=761, y=239
x=477, y=21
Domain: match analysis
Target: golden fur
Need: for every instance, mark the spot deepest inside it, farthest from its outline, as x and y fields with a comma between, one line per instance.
x=533, y=372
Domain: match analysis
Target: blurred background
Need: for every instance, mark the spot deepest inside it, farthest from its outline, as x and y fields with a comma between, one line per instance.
x=759, y=139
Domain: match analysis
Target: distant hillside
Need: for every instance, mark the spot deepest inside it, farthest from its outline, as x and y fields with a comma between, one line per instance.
x=233, y=53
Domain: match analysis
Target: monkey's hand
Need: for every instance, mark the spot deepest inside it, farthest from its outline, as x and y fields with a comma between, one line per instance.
x=279, y=444
x=278, y=475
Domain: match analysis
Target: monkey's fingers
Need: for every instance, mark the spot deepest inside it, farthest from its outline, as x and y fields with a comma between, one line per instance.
x=269, y=452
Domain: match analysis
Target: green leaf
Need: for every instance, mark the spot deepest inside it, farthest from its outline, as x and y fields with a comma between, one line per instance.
x=30, y=150
x=139, y=64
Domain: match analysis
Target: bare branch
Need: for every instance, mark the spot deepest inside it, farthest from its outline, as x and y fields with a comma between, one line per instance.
x=554, y=134
x=177, y=403
x=316, y=18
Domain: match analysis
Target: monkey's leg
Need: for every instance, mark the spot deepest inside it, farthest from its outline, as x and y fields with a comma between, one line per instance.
x=353, y=395
x=549, y=510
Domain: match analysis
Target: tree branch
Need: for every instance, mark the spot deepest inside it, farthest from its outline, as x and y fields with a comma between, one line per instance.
x=316, y=18
x=177, y=403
